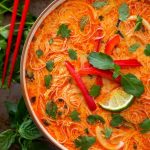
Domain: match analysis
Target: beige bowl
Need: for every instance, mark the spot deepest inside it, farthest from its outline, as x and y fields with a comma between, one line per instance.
x=34, y=28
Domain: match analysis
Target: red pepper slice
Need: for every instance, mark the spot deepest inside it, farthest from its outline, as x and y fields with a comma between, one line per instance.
x=110, y=45
x=99, y=81
x=76, y=76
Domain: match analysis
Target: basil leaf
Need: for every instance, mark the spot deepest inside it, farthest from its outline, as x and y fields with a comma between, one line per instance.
x=50, y=65
x=84, y=142
x=101, y=61
x=134, y=47
x=91, y=119
x=108, y=132
x=95, y=90
x=72, y=54
x=51, y=109
x=4, y=33
x=28, y=130
x=39, y=53
x=83, y=22
x=117, y=120
x=48, y=79
x=75, y=116
x=116, y=72
x=132, y=85
x=147, y=50
x=99, y=4
x=63, y=31
x=7, y=138
x=123, y=12
x=51, y=41
x=3, y=44
x=145, y=126
x=138, y=23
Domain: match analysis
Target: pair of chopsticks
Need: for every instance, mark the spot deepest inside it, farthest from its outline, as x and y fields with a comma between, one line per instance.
x=18, y=41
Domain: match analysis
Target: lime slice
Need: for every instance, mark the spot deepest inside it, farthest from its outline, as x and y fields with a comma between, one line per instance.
x=117, y=100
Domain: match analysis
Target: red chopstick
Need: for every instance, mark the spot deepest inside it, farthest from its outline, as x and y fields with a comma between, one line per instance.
x=12, y=25
x=21, y=27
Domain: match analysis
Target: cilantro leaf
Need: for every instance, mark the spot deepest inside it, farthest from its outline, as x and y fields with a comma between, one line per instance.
x=108, y=132
x=138, y=23
x=116, y=72
x=147, y=50
x=95, y=90
x=75, y=116
x=145, y=126
x=72, y=54
x=48, y=79
x=91, y=119
x=51, y=41
x=101, y=61
x=117, y=120
x=134, y=47
x=99, y=4
x=63, y=31
x=39, y=53
x=123, y=12
x=50, y=65
x=84, y=142
x=51, y=109
x=83, y=22
x=132, y=85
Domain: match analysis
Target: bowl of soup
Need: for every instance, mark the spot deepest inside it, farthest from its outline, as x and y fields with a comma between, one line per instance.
x=85, y=74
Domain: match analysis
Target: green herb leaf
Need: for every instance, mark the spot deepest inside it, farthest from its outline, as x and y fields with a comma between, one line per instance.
x=63, y=31
x=138, y=23
x=7, y=138
x=48, y=80
x=39, y=53
x=51, y=41
x=107, y=132
x=4, y=33
x=50, y=65
x=101, y=61
x=72, y=54
x=145, y=126
x=117, y=120
x=91, y=119
x=123, y=12
x=116, y=72
x=83, y=22
x=147, y=50
x=134, y=47
x=3, y=44
x=95, y=90
x=99, y=4
x=51, y=109
x=132, y=85
x=75, y=116
x=84, y=142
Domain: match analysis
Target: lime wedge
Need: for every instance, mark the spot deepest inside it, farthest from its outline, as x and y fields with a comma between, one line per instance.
x=117, y=100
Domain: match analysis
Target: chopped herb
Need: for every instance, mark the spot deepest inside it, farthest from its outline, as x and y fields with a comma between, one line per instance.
x=138, y=25
x=99, y=4
x=3, y=44
x=116, y=72
x=101, y=18
x=48, y=79
x=39, y=53
x=50, y=65
x=134, y=47
x=132, y=85
x=51, y=41
x=51, y=109
x=83, y=22
x=145, y=126
x=119, y=32
x=86, y=131
x=33, y=99
x=72, y=54
x=91, y=119
x=147, y=50
x=123, y=12
x=108, y=132
x=117, y=120
x=95, y=90
x=75, y=116
x=63, y=31
x=84, y=142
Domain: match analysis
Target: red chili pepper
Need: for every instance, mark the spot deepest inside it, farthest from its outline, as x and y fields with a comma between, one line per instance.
x=99, y=81
x=128, y=63
x=89, y=100
x=114, y=41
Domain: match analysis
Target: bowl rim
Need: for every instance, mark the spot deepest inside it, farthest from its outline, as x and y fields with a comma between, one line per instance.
x=29, y=38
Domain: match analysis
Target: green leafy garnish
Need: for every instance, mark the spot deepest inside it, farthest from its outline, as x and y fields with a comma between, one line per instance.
x=99, y=4
x=138, y=25
x=75, y=116
x=147, y=50
x=48, y=79
x=63, y=31
x=50, y=65
x=134, y=47
x=107, y=132
x=83, y=22
x=84, y=142
x=72, y=54
x=101, y=61
x=123, y=12
x=39, y=53
x=91, y=119
x=51, y=41
x=51, y=109
x=117, y=120
x=132, y=85
x=145, y=126
x=95, y=90
x=116, y=72
x=3, y=44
